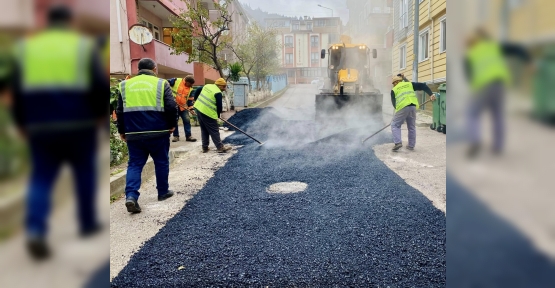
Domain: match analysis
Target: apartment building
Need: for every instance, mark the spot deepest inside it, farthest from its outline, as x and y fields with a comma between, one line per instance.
x=302, y=40
x=370, y=23
x=432, y=50
x=155, y=14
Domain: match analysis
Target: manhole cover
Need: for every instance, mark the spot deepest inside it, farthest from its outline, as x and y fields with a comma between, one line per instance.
x=287, y=187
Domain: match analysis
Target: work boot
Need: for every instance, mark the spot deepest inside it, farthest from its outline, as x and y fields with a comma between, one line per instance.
x=191, y=139
x=397, y=147
x=91, y=231
x=224, y=149
x=132, y=205
x=410, y=148
x=205, y=149
x=175, y=138
x=38, y=248
x=166, y=196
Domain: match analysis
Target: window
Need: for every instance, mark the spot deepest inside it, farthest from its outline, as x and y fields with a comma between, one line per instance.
x=403, y=57
x=308, y=26
x=155, y=30
x=314, y=41
x=291, y=73
x=296, y=26
x=423, y=45
x=320, y=23
x=404, y=14
x=288, y=41
x=289, y=58
x=167, y=35
x=443, y=36
x=314, y=57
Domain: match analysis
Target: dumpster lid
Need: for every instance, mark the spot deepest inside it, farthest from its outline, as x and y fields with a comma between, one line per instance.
x=443, y=86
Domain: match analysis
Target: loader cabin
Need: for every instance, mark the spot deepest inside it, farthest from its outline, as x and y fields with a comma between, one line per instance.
x=348, y=61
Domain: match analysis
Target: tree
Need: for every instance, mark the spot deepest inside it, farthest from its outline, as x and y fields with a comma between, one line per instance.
x=258, y=53
x=201, y=36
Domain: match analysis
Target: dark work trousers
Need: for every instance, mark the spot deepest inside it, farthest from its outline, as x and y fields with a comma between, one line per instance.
x=489, y=98
x=209, y=127
x=139, y=150
x=407, y=114
x=184, y=115
x=48, y=153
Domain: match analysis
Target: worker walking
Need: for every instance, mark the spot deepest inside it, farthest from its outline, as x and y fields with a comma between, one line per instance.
x=147, y=115
x=208, y=107
x=403, y=98
x=59, y=104
x=182, y=89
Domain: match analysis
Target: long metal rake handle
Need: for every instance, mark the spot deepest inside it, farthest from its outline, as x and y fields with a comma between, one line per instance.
x=387, y=126
x=241, y=131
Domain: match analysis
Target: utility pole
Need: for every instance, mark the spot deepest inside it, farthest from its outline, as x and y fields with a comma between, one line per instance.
x=416, y=38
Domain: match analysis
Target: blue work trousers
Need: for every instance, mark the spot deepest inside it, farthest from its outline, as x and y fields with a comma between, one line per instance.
x=184, y=115
x=139, y=150
x=48, y=153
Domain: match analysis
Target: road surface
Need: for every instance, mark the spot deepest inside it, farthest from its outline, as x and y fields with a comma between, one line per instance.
x=311, y=213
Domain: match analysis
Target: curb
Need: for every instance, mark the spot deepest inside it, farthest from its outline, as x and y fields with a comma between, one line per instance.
x=277, y=95
x=117, y=182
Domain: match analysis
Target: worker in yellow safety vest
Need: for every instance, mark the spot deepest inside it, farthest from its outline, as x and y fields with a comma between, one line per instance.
x=403, y=98
x=208, y=108
x=488, y=75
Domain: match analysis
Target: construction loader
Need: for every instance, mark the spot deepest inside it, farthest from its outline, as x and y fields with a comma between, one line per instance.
x=348, y=90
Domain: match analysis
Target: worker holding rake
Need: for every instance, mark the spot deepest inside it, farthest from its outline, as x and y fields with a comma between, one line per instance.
x=403, y=98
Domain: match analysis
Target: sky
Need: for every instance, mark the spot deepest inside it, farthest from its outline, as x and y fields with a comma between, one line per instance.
x=302, y=8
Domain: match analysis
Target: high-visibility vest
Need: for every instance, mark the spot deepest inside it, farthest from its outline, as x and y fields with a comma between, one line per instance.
x=178, y=91
x=206, y=101
x=404, y=95
x=487, y=65
x=143, y=104
x=55, y=59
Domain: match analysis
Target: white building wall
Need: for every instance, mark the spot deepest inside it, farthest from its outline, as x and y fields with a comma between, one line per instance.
x=302, y=51
x=120, y=60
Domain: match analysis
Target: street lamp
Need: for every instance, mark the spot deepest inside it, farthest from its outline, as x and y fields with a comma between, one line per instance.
x=327, y=8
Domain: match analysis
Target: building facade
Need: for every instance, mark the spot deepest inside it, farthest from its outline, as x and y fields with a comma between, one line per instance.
x=301, y=40
x=370, y=23
x=432, y=49
x=155, y=14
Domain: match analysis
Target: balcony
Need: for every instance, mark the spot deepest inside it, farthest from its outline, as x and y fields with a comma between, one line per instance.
x=171, y=64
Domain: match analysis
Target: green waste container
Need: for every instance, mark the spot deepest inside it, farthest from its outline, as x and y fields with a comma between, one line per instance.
x=443, y=107
x=544, y=94
x=435, y=109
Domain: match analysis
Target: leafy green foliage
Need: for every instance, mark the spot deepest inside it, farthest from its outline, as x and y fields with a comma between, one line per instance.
x=201, y=36
x=258, y=53
x=118, y=148
x=235, y=70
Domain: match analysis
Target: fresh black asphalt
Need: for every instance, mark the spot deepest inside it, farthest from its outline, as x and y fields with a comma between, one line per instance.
x=357, y=224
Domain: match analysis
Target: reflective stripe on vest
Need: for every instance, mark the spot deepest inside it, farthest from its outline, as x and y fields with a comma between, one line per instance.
x=206, y=101
x=404, y=95
x=487, y=64
x=137, y=94
x=55, y=60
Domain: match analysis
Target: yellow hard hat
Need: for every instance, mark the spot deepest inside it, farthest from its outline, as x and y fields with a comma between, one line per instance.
x=396, y=79
x=220, y=82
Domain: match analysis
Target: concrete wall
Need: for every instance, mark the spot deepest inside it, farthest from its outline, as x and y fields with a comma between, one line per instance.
x=119, y=51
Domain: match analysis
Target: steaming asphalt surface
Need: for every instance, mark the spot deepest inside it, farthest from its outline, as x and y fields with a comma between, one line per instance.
x=356, y=225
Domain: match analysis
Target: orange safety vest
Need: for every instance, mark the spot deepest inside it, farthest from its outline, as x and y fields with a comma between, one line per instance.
x=182, y=95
